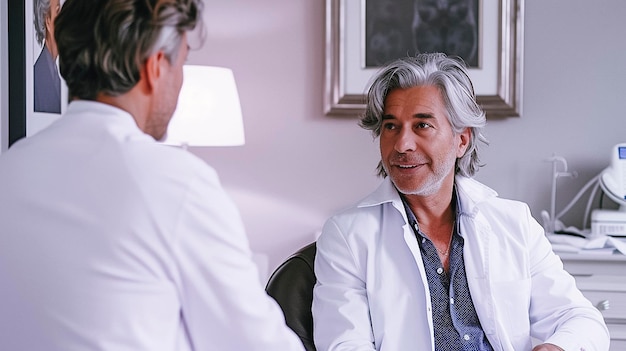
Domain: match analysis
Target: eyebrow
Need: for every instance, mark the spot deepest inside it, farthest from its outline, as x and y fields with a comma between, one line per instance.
x=417, y=115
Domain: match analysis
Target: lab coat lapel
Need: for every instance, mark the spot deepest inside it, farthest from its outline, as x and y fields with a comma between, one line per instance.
x=387, y=193
x=477, y=254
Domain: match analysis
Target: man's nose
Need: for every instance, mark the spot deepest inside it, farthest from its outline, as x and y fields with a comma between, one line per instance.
x=406, y=141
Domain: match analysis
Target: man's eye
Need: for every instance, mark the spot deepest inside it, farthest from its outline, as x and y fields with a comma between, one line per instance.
x=423, y=125
x=389, y=126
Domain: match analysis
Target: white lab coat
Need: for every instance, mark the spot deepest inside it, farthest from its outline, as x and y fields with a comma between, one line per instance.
x=372, y=292
x=111, y=241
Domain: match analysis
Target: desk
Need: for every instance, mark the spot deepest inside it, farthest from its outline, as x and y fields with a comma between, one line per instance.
x=602, y=279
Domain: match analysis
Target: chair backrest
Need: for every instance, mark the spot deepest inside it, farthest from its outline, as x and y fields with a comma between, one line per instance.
x=291, y=285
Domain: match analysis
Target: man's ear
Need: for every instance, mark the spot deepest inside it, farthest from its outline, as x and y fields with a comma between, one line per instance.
x=48, y=22
x=153, y=70
x=464, y=140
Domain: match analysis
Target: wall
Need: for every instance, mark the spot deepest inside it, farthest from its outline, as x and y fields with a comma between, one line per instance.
x=298, y=166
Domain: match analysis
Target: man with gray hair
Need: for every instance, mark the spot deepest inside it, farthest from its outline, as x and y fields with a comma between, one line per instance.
x=433, y=259
x=46, y=79
x=110, y=240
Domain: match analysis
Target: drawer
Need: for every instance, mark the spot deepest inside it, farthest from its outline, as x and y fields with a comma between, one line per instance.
x=618, y=332
x=617, y=345
x=603, y=279
x=600, y=282
x=607, y=293
x=590, y=264
x=612, y=304
x=618, y=336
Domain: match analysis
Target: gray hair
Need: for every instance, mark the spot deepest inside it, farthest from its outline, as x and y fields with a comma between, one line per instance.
x=450, y=76
x=104, y=43
x=41, y=10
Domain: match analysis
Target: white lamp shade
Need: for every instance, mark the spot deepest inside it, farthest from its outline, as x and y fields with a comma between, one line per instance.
x=208, y=111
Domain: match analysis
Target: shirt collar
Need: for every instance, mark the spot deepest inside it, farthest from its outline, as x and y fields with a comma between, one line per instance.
x=93, y=114
x=469, y=194
x=412, y=220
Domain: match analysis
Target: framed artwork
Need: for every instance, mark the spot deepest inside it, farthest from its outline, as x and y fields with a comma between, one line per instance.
x=4, y=74
x=37, y=93
x=362, y=34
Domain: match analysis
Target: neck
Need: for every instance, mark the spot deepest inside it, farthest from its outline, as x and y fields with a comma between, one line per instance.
x=131, y=102
x=435, y=210
x=51, y=46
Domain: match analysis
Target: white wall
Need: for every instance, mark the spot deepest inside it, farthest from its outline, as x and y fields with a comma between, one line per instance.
x=298, y=166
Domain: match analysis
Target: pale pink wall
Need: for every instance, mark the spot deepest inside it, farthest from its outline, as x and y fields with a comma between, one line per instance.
x=299, y=166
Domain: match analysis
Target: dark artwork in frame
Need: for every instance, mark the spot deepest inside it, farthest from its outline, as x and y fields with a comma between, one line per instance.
x=399, y=28
x=500, y=51
x=37, y=94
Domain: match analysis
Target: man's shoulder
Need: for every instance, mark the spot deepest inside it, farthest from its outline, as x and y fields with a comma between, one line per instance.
x=474, y=194
x=370, y=211
x=172, y=162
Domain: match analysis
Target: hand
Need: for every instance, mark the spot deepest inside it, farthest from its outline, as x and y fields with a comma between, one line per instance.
x=547, y=347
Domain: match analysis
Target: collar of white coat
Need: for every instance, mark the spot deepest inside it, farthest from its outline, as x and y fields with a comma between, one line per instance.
x=470, y=192
x=120, y=122
x=90, y=107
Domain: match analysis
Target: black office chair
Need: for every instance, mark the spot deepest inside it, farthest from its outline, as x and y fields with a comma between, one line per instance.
x=291, y=285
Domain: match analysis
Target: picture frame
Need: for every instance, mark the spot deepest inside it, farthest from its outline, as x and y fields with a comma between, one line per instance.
x=23, y=52
x=4, y=76
x=497, y=80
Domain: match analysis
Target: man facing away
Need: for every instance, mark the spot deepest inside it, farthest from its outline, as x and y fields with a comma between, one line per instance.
x=434, y=260
x=108, y=239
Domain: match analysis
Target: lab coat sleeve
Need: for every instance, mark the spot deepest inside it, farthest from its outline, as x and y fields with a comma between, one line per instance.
x=559, y=313
x=341, y=318
x=224, y=306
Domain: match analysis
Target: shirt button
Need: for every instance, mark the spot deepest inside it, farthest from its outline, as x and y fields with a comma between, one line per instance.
x=466, y=337
x=452, y=301
x=439, y=270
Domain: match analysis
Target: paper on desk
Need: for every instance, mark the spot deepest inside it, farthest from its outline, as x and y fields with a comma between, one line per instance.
x=597, y=244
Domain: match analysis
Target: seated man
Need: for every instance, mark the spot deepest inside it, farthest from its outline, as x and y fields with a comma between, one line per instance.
x=434, y=260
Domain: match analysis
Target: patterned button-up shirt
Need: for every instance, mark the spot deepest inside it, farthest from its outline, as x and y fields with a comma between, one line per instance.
x=455, y=322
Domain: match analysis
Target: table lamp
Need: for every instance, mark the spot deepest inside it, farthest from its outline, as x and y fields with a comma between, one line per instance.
x=208, y=111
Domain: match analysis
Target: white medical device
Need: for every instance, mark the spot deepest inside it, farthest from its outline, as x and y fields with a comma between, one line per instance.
x=613, y=183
